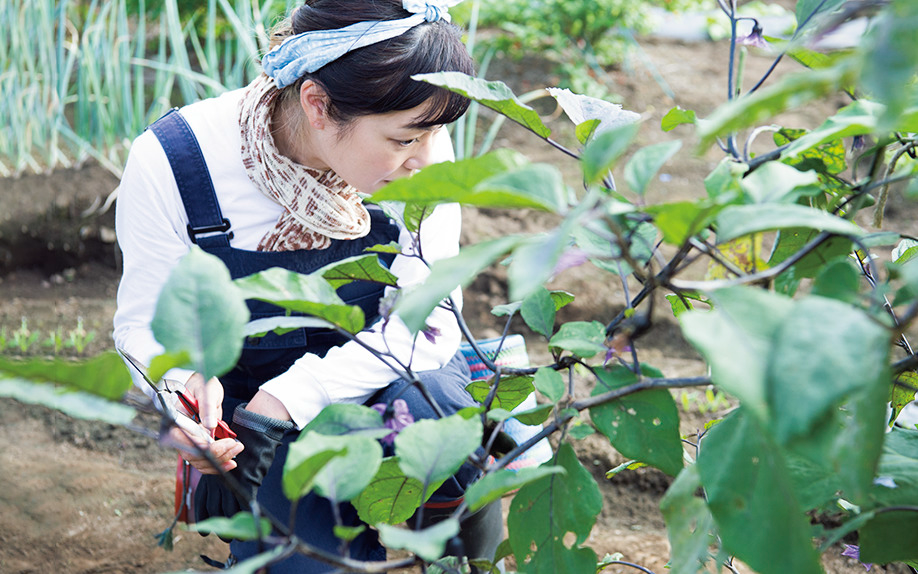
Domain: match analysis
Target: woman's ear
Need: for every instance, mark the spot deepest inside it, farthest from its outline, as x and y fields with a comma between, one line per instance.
x=314, y=100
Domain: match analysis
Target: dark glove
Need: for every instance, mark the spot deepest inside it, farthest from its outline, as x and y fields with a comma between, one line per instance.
x=261, y=436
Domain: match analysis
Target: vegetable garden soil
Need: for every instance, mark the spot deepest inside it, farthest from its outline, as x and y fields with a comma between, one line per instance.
x=87, y=497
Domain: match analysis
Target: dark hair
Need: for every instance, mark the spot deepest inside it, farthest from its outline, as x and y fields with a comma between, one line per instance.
x=376, y=79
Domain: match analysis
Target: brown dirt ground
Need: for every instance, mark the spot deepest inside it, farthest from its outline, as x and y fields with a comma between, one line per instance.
x=86, y=497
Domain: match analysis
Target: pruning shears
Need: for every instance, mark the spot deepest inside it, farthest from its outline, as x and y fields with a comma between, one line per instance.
x=171, y=394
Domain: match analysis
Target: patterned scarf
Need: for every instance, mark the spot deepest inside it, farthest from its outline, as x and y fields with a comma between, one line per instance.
x=318, y=206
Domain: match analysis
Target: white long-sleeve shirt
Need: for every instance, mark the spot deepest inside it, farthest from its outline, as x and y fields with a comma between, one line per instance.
x=151, y=229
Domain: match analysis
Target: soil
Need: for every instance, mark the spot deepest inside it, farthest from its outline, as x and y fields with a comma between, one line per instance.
x=88, y=497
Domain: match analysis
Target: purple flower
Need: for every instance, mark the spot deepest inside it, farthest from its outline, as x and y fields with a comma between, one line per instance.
x=852, y=551
x=395, y=417
x=755, y=39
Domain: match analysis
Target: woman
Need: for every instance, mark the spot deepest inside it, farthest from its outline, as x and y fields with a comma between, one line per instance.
x=276, y=183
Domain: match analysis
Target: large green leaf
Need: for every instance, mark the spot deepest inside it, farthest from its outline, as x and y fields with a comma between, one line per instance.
x=347, y=419
x=495, y=95
x=858, y=118
x=790, y=91
x=823, y=352
x=745, y=479
x=680, y=220
x=545, y=511
x=779, y=183
x=739, y=220
x=536, y=186
x=735, y=339
x=584, y=339
x=512, y=391
x=646, y=162
x=643, y=426
x=391, y=497
x=806, y=10
x=891, y=61
x=358, y=268
x=689, y=524
x=538, y=311
x=77, y=404
x=501, y=179
x=306, y=457
x=432, y=450
x=601, y=154
x=890, y=537
x=104, y=375
x=496, y=484
x=826, y=158
x=446, y=274
x=791, y=240
x=429, y=544
x=550, y=383
x=309, y=294
x=535, y=260
x=346, y=475
x=241, y=526
x=200, y=312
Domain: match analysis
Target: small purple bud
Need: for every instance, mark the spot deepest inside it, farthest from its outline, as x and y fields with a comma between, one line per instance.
x=858, y=143
x=571, y=258
x=431, y=333
x=387, y=303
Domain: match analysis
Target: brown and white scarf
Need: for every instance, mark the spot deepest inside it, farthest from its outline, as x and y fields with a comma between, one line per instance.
x=318, y=205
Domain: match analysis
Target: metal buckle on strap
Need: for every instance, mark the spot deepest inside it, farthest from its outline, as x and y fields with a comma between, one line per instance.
x=193, y=232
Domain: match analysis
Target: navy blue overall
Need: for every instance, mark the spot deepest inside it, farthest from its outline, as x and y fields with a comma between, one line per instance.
x=266, y=357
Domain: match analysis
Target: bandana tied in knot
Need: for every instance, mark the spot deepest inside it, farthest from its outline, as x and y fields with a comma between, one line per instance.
x=318, y=205
x=307, y=52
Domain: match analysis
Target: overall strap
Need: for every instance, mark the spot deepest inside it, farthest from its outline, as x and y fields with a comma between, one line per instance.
x=193, y=180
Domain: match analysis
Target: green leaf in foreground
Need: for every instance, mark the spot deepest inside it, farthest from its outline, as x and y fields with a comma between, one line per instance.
x=345, y=476
x=646, y=162
x=512, y=391
x=791, y=91
x=493, y=486
x=420, y=447
x=543, y=512
x=739, y=220
x=600, y=155
x=240, y=527
x=76, y=404
x=305, y=459
x=495, y=95
x=902, y=393
x=391, y=497
x=643, y=426
x=446, y=275
x=689, y=523
x=676, y=117
x=746, y=481
x=359, y=268
x=429, y=543
x=584, y=339
x=201, y=312
x=104, y=375
x=538, y=310
x=309, y=294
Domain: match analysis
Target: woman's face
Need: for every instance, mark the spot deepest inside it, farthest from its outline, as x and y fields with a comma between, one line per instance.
x=374, y=150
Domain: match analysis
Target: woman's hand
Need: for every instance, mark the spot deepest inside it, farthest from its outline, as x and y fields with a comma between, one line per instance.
x=209, y=395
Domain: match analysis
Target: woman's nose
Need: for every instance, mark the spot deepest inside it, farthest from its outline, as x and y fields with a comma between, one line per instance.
x=422, y=158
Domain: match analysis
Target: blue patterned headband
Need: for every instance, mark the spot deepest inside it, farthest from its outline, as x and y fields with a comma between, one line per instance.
x=309, y=51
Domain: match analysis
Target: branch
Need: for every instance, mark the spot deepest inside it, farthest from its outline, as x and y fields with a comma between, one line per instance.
x=677, y=284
